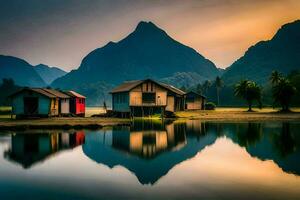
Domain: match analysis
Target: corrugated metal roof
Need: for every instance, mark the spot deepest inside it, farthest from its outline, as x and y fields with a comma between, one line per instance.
x=37, y=90
x=172, y=88
x=74, y=94
x=56, y=93
x=128, y=85
x=196, y=94
x=41, y=91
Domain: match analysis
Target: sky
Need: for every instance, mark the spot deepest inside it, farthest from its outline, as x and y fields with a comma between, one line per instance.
x=62, y=32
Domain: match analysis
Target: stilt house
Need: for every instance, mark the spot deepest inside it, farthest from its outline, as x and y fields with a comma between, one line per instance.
x=146, y=97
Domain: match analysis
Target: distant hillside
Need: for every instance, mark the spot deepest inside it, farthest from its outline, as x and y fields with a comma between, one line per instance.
x=147, y=52
x=281, y=53
x=20, y=71
x=49, y=74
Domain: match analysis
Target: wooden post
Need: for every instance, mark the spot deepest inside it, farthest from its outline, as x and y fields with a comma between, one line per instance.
x=162, y=112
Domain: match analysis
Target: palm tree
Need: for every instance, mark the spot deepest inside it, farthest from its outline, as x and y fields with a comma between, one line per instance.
x=249, y=91
x=219, y=84
x=283, y=92
x=275, y=77
x=206, y=86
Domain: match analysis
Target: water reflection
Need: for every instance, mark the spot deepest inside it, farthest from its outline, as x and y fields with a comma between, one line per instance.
x=31, y=148
x=150, y=149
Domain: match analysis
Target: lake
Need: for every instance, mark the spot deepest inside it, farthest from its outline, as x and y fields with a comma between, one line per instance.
x=154, y=160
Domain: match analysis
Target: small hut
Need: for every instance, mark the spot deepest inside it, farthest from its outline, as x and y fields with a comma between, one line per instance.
x=194, y=101
x=34, y=102
x=64, y=101
x=77, y=103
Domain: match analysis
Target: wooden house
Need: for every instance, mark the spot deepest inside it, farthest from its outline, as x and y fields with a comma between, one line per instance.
x=146, y=97
x=194, y=101
x=77, y=103
x=34, y=102
x=64, y=101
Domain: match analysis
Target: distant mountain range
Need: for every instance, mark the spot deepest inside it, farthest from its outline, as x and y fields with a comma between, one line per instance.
x=49, y=74
x=20, y=71
x=150, y=52
x=281, y=53
x=25, y=74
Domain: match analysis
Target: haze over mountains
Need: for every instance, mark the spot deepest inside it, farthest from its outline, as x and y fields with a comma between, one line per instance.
x=49, y=74
x=149, y=52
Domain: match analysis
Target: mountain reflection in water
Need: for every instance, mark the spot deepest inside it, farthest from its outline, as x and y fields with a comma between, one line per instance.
x=150, y=149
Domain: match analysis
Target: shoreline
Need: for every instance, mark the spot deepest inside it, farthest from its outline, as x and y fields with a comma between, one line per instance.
x=69, y=123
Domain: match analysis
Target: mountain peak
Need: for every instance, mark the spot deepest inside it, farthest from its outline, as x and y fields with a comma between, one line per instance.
x=289, y=31
x=148, y=27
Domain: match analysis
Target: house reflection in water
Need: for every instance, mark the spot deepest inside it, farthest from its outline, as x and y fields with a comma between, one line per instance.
x=147, y=142
x=29, y=149
x=149, y=149
x=148, y=139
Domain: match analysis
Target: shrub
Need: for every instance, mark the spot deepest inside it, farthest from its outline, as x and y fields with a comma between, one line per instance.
x=210, y=106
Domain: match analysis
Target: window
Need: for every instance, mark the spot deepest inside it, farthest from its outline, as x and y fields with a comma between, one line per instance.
x=148, y=97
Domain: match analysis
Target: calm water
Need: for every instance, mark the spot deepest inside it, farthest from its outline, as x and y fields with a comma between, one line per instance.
x=181, y=160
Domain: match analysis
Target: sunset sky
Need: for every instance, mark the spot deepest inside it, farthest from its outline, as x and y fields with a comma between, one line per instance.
x=61, y=32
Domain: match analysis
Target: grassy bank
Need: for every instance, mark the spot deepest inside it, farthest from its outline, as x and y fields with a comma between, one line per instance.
x=220, y=114
x=241, y=114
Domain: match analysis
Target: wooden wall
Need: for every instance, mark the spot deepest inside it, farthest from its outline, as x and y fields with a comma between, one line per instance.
x=121, y=102
x=136, y=94
x=65, y=106
x=18, y=103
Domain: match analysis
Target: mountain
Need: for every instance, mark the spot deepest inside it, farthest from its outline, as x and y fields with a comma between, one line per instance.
x=281, y=53
x=147, y=52
x=49, y=74
x=20, y=71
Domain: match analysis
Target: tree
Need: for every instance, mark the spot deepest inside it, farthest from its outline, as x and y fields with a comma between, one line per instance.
x=7, y=87
x=219, y=85
x=199, y=89
x=249, y=91
x=183, y=88
x=283, y=92
x=275, y=77
x=206, y=86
